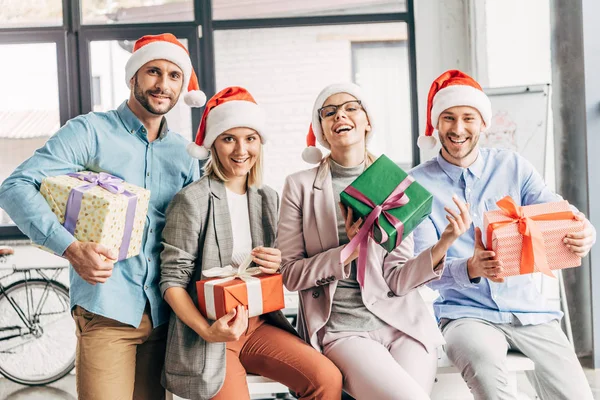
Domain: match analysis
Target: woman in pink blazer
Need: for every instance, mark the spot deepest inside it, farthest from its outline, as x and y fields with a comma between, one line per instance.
x=381, y=337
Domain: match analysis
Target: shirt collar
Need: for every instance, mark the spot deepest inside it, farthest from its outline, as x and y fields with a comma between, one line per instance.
x=134, y=125
x=454, y=171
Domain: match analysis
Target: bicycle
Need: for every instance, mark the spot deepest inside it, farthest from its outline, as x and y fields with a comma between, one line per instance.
x=37, y=332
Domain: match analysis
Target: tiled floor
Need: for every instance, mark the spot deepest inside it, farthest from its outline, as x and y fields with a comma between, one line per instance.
x=65, y=389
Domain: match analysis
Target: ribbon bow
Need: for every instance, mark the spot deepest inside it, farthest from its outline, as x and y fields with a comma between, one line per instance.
x=397, y=198
x=533, y=252
x=102, y=179
x=229, y=273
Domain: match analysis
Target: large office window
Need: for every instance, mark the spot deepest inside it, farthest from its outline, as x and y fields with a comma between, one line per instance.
x=30, y=13
x=283, y=51
x=286, y=68
x=29, y=110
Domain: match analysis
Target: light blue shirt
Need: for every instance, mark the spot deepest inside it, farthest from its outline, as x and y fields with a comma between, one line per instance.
x=496, y=173
x=114, y=142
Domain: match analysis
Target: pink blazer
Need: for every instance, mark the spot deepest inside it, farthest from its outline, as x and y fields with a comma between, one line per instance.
x=308, y=239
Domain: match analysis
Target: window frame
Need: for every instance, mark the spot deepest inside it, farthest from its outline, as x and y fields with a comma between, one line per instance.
x=73, y=40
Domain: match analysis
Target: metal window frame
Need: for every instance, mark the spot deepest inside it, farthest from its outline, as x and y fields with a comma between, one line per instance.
x=73, y=39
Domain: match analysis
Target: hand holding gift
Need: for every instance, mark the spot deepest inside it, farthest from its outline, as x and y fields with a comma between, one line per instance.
x=93, y=262
x=483, y=264
x=391, y=203
x=227, y=288
x=99, y=208
x=352, y=227
x=532, y=238
x=229, y=327
x=580, y=243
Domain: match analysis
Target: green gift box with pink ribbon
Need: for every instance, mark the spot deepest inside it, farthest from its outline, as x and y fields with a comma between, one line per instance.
x=390, y=202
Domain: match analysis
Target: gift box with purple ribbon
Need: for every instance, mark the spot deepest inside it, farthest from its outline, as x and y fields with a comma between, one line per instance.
x=391, y=204
x=100, y=208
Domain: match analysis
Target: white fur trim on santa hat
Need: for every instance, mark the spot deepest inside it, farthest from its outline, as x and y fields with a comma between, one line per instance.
x=312, y=155
x=350, y=88
x=159, y=50
x=234, y=114
x=461, y=95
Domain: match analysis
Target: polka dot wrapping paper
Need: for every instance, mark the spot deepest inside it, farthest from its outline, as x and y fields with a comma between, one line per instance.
x=102, y=215
x=507, y=242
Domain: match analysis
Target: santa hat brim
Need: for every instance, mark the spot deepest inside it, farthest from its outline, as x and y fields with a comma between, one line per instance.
x=461, y=95
x=159, y=50
x=234, y=114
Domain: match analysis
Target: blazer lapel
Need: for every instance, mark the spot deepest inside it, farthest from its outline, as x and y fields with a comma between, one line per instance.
x=324, y=208
x=222, y=221
x=256, y=217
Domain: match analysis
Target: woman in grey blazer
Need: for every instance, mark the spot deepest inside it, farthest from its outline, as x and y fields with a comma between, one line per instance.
x=218, y=221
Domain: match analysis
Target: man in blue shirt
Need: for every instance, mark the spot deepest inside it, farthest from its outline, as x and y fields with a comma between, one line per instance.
x=481, y=315
x=117, y=306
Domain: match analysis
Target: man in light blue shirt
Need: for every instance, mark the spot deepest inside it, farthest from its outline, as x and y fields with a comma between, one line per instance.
x=481, y=315
x=117, y=306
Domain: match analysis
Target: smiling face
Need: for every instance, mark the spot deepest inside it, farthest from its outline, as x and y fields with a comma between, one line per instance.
x=157, y=86
x=459, y=129
x=237, y=150
x=348, y=125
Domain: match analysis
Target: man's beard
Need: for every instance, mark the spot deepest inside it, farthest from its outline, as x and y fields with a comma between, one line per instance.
x=142, y=98
x=460, y=156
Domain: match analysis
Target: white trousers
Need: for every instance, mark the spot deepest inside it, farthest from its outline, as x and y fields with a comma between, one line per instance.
x=478, y=348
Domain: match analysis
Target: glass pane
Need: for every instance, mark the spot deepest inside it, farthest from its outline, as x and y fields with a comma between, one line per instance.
x=234, y=9
x=97, y=12
x=23, y=13
x=286, y=68
x=109, y=90
x=31, y=113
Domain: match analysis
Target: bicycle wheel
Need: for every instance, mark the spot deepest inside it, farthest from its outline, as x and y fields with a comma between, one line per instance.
x=41, y=350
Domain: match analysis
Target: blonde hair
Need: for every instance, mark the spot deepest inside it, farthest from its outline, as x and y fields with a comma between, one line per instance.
x=214, y=168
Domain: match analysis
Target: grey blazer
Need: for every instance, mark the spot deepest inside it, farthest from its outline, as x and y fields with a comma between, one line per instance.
x=198, y=236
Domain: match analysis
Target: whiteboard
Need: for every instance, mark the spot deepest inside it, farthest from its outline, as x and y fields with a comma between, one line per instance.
x=520, y=121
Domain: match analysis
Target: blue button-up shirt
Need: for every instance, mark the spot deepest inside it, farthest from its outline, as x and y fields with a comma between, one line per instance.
x=496, y=173
x=115, y=142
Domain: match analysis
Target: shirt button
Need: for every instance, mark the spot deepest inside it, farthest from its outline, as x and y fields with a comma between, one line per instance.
x=145, y=287
x=148, y=174
x=390, y=294
x=468, y=190
x=315, y=294
x=151, y=230
x=149, y=259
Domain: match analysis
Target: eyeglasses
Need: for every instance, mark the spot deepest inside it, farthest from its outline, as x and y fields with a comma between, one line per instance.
x=350, y=107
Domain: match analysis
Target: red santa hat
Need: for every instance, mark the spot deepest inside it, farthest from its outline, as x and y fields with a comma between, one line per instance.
x=453, y=88
x=313, y=155
x=232, y=107
x=166, y=47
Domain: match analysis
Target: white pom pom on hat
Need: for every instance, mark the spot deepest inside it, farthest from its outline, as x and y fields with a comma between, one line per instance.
x=453, y=88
